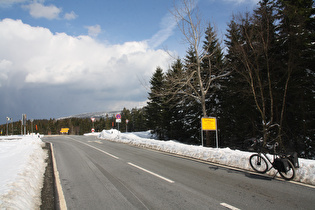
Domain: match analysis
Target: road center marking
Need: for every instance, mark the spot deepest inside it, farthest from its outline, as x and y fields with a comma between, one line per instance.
x=113, y=156
x=229, y=206
x=152, y=173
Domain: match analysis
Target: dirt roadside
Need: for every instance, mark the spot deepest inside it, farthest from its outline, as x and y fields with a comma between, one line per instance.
x=48, y=193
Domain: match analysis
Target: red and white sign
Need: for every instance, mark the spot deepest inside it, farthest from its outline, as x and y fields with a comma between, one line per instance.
x=92, y=119
x=92, y=130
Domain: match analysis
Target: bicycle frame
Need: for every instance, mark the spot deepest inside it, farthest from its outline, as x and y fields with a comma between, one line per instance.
x=271, y=162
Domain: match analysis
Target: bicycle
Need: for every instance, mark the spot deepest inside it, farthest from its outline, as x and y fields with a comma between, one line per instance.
x=284, y=164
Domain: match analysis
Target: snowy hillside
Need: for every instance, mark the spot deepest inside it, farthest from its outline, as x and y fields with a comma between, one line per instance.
x=92, y=114
x=226, y=156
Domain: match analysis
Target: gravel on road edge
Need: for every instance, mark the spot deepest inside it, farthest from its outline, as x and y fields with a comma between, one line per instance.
x=48, y=194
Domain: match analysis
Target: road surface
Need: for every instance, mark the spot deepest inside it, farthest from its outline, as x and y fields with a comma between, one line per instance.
x=99, y=174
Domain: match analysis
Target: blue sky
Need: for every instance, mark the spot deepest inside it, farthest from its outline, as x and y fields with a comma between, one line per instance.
x=64, y=57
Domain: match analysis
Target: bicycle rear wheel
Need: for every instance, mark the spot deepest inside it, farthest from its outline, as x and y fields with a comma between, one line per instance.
x=289, y=175
x=258, y=163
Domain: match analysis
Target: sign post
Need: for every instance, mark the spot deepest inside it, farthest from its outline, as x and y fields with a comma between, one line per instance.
x=118, y=120
x=209, y=124
x=8, y=119
x=24, y=121
x=93, y=120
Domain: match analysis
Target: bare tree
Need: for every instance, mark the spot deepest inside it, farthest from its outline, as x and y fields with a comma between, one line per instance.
x=197, y=80
x=253, y=40
x=192, y=83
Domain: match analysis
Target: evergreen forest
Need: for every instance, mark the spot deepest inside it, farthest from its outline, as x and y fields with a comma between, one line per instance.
x=260, y=86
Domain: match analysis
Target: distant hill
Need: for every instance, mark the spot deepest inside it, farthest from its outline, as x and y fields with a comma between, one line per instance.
x=92, y=114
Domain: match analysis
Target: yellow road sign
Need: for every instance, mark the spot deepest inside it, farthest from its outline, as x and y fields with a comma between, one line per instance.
x=64, y=130
x=209, y=124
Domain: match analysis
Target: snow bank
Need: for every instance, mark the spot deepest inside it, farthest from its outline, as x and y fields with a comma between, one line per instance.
x=22, y=164
x=226, y=156
x=92, y=134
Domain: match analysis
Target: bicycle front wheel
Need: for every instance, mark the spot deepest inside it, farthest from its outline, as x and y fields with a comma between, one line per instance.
x=258, y=163
x=289, y=175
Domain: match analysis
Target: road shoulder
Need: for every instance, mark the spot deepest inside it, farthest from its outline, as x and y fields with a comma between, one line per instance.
x=48, y=191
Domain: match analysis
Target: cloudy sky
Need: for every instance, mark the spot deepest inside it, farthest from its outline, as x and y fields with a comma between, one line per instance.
x=65, y=57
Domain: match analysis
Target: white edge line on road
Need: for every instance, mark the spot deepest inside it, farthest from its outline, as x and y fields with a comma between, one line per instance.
x=152, y=173
x=62, y=200
x=229, y=206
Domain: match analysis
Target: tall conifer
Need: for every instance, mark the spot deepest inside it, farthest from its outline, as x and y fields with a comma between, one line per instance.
x=155, y=109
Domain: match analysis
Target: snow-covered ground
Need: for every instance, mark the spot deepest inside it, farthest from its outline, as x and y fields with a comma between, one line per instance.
x=22, y=166
x=226, y=156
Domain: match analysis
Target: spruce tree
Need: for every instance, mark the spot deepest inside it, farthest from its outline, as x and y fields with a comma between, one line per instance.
x=297, y=55
x=251, y=40
x=155, y=109
x=238, y=120
x=175, y=105
x=192, y=110
x=212, y=66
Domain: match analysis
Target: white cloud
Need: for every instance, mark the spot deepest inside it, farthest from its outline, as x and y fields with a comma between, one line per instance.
x=70, y=16
x=38, y=10
x=84, y=71
x=242, y=1
x=9, y=3
x=94, y=30
x=5, y=66
x=167, y=25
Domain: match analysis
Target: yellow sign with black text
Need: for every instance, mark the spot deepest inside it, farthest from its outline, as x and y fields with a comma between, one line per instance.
x=209, y=124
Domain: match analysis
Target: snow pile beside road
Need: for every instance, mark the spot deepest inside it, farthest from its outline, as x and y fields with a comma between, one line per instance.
x=22, y=164
x=225, y=156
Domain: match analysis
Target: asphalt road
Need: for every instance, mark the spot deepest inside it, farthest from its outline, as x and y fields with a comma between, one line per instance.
x=99, y=174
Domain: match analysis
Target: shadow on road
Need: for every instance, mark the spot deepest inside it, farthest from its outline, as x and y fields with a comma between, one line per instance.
x=246, y=173
x=258, y=176
x=215, y=167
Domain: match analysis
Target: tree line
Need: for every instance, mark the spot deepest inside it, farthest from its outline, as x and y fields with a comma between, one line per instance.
x=132, y=121
x=261, y=86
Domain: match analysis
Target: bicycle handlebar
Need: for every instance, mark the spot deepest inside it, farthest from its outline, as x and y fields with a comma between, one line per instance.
x=269, y=146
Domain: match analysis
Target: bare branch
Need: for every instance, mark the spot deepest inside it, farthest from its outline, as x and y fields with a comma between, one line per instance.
x=193, y=83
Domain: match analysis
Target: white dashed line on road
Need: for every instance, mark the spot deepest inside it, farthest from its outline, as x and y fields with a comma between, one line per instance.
x=152, y=173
